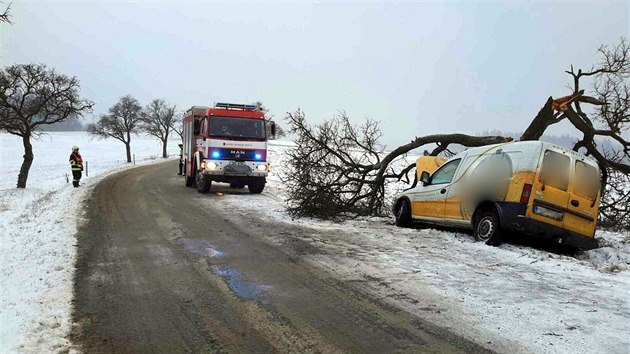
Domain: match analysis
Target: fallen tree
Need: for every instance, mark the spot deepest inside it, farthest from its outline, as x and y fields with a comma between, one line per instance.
x=338, y=169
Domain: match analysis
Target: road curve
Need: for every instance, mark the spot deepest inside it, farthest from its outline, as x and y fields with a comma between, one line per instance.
x=157, y=273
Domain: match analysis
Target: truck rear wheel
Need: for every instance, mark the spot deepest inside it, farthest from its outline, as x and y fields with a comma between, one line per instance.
x=188, y=180
x=256, y=186
x=202, y=183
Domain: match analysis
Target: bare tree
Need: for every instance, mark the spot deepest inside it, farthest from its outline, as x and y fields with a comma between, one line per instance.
x=158, y=120
x=338, y=169
x=31, y=96
x=6, y=15
x=280, y=133
x=124, y=119
x=607, y=120
x=178, y=125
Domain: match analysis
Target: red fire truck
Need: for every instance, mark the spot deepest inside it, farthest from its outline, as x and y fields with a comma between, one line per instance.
x=226, y=143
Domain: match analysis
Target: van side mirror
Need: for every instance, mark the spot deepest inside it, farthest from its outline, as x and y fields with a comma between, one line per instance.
x=273, y=130
x=424, y=178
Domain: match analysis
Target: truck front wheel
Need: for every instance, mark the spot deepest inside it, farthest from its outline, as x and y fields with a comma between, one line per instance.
x=202, y=183
x=256, y=186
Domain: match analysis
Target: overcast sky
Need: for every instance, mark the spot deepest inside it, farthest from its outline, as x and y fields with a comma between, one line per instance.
x=419, y=68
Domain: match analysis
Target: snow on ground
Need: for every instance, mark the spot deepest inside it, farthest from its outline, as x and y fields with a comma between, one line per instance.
x=37, y=244
x=510, y=298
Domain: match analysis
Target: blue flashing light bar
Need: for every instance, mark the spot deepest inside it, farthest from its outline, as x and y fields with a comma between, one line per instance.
x=258, y=156
x=235, y=106
x=216, y=154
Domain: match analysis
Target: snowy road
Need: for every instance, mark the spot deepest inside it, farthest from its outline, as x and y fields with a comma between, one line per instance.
x=160, y=269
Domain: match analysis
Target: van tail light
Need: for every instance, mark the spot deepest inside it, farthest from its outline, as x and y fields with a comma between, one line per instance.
x=527, y=191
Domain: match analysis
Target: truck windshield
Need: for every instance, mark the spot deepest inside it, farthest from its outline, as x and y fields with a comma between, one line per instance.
x=236, y=128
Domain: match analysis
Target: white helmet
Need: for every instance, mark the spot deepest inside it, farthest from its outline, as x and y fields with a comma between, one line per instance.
x=74, y=147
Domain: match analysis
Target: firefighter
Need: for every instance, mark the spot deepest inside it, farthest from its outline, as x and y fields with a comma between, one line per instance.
x=181, y=157
x=76, y=165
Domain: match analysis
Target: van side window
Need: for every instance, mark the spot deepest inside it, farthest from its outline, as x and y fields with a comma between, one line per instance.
x=586, y=180
x=555, y=170
x=446, y=173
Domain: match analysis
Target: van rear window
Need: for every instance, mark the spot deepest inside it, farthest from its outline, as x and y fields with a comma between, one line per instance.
x=586, y=180
x=555, y=170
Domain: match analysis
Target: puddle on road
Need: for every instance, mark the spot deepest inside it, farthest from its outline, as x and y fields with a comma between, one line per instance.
x=244, y=289
x=200, y=247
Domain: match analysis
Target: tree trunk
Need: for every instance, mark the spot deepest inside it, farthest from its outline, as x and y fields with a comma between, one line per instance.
x=28, y=160
x=164, y=142
x=128, y=147
x=541, y=122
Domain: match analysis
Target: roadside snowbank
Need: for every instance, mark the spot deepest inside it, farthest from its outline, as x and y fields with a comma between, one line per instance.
x=37, y=244
x=613, y=255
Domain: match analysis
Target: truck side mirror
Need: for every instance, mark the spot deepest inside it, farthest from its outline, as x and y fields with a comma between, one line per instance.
x=424, y=178
x=273, y=129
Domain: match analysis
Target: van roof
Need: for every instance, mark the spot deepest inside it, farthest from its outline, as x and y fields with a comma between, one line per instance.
x=527, y=145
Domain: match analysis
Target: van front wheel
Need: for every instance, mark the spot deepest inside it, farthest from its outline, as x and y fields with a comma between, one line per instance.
x=403, y=214
x=487, y=228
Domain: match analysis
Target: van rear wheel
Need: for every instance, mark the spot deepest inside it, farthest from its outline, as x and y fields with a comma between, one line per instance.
x=487, y=228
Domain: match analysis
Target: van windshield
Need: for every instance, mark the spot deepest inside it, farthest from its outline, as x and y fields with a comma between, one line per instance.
x=586, y=180
x=236, y=128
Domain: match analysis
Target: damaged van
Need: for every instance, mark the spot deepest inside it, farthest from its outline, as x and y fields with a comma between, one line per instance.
x=533, y=187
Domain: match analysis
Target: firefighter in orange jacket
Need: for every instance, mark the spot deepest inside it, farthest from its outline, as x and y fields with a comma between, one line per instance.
x=76, y=165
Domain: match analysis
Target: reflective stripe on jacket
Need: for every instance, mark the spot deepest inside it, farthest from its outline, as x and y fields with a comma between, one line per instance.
x=76, y=162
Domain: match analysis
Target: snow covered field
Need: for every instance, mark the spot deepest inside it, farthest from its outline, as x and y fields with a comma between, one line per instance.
x=37, y=253
x=511, y=298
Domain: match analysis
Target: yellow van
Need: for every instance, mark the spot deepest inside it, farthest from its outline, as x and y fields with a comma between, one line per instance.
x=530, y=186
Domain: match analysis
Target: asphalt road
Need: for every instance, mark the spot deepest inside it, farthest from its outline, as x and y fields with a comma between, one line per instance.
x=158, y=273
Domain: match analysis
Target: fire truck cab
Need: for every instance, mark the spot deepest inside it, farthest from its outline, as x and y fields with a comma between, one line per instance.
x=225, y=143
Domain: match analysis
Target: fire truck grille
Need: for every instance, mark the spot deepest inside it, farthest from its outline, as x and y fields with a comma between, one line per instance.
x=237, y=169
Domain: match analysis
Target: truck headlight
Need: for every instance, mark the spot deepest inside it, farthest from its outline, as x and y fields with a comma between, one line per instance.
x=211, y=166
x=261, y=167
